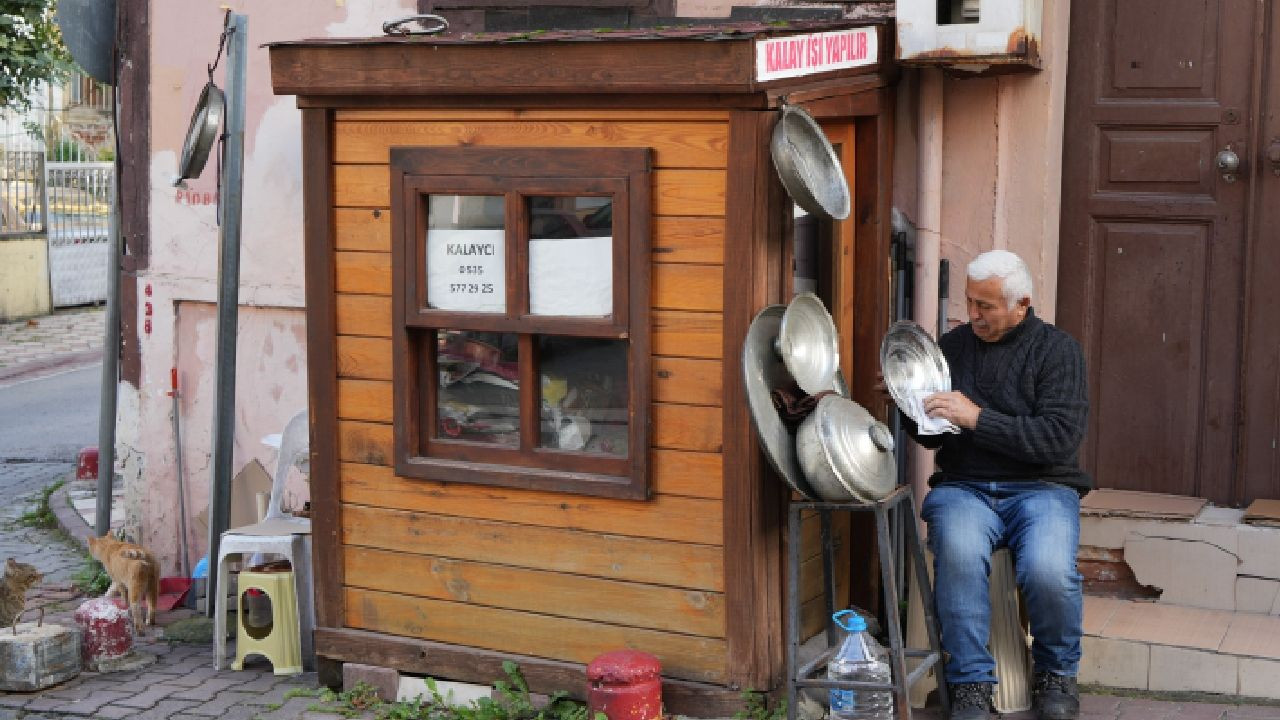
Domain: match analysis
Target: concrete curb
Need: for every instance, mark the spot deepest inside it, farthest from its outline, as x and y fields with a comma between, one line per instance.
x=68, y=519
x=65, y=361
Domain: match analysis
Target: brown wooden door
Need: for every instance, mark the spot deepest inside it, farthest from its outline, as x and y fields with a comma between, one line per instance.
x=1260, y=457
x=1154, y=238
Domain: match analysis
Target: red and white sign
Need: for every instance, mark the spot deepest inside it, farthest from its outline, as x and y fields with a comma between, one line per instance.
x=798, y=55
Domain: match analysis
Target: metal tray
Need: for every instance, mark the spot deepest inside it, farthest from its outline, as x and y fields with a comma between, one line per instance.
x=912, y=363
x=762, y=372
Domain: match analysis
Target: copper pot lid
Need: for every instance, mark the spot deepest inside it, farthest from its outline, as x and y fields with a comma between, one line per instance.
x=807, y=342
x=763, y=372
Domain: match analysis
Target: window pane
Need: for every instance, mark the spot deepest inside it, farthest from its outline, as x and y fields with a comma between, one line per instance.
x=478, y=387
x=584, y=394
x=571, y=256
x=466, y=253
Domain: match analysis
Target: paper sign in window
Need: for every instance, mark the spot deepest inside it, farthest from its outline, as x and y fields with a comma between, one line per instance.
x=466, y=253
x=571, y=256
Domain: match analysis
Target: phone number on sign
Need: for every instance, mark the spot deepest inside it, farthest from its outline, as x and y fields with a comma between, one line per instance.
x=474, y=288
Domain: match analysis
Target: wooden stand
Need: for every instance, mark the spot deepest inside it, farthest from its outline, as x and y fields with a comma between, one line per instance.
x=807, y=675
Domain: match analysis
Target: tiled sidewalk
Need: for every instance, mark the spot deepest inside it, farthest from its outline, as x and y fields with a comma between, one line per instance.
x=65, y=337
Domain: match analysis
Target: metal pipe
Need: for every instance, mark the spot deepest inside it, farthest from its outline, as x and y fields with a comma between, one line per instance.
x=182, y=491
x=228, y=294
x=928, y=247
x=110, y=370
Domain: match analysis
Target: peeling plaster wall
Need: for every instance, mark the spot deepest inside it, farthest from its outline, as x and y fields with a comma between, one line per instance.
x=181, y=280
x=1002, y=165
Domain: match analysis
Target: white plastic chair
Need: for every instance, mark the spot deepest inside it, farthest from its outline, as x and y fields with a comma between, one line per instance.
x=278, y=533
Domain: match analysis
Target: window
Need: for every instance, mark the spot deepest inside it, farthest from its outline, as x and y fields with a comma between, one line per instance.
x=522, y=318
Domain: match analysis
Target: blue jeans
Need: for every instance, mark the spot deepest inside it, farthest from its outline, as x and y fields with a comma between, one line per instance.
x=1040, y=523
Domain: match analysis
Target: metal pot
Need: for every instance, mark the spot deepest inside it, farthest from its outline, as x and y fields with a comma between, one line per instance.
x=808, y=166
x=845, y=453
x=201, y=133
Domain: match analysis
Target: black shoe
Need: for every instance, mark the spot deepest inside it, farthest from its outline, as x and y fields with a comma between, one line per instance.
x=971, y=701
x=1055, y=697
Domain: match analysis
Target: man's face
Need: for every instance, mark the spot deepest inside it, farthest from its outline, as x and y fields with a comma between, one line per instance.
x=989, y=313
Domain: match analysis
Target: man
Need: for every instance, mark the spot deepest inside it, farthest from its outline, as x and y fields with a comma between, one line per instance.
x=1010, y=478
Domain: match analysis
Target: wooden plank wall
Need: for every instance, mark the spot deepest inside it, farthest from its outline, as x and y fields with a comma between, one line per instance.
x=528, y=572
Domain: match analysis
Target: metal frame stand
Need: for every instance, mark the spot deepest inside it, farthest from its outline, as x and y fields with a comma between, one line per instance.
x=803, y=677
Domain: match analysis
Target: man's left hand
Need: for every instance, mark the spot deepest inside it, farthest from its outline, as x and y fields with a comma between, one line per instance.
x=953, y=406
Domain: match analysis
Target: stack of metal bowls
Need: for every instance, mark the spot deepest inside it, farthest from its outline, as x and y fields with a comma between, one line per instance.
x=840, y=453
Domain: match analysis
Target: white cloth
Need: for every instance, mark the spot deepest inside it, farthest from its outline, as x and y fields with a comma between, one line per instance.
x=927, y=425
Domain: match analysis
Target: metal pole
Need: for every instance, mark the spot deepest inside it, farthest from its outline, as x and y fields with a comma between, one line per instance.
x=228, y=295
x=110, y=369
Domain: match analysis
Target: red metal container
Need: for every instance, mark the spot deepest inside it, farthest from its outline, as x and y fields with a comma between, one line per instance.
x=87, y=464
x=107, y=630
x=625, y=685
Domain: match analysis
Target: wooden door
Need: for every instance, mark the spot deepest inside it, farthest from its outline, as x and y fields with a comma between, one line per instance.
x=1260, y=456
x=1154, y=237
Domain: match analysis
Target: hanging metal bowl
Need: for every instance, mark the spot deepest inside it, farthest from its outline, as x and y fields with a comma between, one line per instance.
x=808, y=166
x=913, y=366
x=202, y=132
x=762, y=373
x=808, y=344
x=845, y=453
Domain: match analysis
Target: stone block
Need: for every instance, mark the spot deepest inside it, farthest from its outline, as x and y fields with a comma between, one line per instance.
x=1179, y=669
x=1163, y=562
x=1260, y=551
x=385, y=680
x=1104, y=532
x=456, y=693
x=1114, y=663
x=1256, y=595
x=1260, y=678
x=38, y=657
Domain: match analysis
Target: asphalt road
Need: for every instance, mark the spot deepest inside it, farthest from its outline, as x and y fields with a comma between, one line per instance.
x=49, y=418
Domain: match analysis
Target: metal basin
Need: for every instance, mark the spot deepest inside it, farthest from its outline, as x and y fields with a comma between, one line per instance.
x=808, y=166
x=845, y=453
x=913, y=365
x=762, y=373
x=808, y=345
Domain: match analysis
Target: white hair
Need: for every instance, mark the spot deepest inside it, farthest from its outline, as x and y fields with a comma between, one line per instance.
x=1009, y=268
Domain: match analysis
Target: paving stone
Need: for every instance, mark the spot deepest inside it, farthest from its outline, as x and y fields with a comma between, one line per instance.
x=262, y=683
x=1255, y=712
x=149, y=697
x=14, y=701
x=1100, y=704
x=162, y=710
x=290, y=710
x=205, y=691
x=1201, y=711
x=218, y=705
x=90, y=705
x=116, y=712
x=274, y=696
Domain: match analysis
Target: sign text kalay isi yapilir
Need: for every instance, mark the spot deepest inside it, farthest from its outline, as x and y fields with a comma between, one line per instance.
x=797, y=55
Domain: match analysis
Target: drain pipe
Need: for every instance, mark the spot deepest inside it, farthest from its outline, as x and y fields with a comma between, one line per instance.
x=928, y=233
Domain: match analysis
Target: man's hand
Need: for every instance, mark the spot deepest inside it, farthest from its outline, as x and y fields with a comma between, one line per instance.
x=953, y=406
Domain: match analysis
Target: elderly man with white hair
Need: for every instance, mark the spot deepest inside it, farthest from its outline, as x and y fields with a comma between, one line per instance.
x=1009, y=478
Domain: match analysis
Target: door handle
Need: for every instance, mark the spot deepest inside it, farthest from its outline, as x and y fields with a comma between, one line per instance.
x=1273, y=156
x=1228, y=162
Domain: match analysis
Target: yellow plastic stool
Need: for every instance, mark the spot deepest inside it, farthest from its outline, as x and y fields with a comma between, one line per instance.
x=278, y=642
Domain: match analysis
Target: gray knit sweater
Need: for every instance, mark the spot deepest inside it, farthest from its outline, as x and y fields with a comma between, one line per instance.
x=1030, y=385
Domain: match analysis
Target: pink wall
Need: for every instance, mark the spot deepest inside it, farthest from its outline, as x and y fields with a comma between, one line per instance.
x=1001, y=164
x=178, y=290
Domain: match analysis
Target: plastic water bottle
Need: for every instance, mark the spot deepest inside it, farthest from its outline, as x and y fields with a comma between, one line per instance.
x=863, y=659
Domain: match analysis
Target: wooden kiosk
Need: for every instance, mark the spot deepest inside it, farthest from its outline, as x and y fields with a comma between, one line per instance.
x=531, y=262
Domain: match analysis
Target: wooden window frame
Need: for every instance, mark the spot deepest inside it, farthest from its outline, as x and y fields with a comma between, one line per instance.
x=516, y=174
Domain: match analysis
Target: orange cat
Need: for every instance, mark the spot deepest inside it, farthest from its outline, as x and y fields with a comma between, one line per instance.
x=134, y=571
